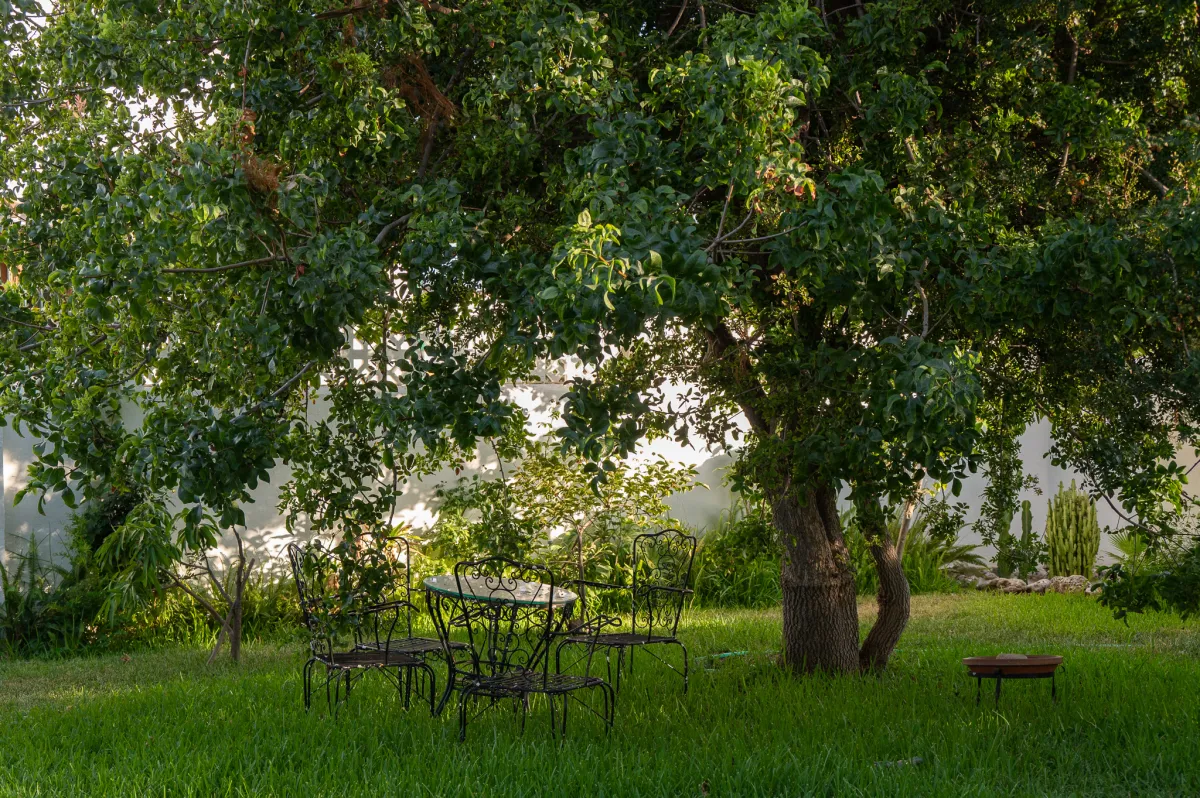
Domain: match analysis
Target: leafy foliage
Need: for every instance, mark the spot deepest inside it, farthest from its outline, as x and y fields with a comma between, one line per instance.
x=1156, y=575
x=737, y=563
x=862, y=228
x=548, y=506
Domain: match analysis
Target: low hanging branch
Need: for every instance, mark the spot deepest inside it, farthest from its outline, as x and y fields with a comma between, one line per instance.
x=228, y=266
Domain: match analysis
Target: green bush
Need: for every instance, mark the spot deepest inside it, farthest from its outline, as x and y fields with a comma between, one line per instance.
x=34, y=618
x=549, y=491
x=60, y=610
x=1163, y=576
x=737, y=563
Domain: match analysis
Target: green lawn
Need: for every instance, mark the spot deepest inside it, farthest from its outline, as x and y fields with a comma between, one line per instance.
x=1128, y=721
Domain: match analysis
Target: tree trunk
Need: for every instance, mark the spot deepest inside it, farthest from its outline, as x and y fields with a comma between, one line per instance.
x=820, y=613
x=235, y=630
x=893, y=600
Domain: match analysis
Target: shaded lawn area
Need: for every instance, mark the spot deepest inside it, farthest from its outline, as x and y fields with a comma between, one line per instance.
x=1128, y=721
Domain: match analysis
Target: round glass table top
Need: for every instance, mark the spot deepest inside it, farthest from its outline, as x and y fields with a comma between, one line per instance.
x=494, y=588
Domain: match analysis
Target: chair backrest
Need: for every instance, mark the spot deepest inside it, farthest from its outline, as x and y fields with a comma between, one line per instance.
x=504, y=632
x=309, y=574
x=662, y=569
x=399, y=554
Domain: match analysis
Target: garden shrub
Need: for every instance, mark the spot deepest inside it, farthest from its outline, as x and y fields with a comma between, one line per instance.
x=58, y=610
x=1163, y=576
x=737, y=562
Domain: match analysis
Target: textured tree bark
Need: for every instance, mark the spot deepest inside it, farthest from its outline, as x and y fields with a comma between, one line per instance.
x=820, y=613
x=893, y=599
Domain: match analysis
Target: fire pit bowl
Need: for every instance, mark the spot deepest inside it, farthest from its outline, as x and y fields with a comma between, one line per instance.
x=1013, y=667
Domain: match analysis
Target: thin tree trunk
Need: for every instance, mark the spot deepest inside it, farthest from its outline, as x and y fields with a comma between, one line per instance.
x=894, y=604
x=820, y=612
x=235, y=627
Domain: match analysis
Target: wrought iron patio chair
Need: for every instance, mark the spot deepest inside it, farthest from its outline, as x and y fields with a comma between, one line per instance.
x=662, y=570
x=370, y=634
x=312, y=571
x=508, y=642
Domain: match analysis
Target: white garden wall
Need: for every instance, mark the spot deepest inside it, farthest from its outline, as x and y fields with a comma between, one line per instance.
x=700, y=507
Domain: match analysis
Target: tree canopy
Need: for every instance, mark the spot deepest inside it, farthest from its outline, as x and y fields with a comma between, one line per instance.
x=888, y=235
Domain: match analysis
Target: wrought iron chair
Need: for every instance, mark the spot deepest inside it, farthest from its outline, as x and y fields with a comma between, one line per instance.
x=662, y=570
x=311, y=570
x=371, y=634
x=509, y=637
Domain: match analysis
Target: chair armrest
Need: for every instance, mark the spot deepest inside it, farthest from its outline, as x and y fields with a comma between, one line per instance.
x=590, y=626
x=387, y=605
x=601, y=585
x=687, y=591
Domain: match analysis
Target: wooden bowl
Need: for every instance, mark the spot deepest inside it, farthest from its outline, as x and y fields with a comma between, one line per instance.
x=1032, y=665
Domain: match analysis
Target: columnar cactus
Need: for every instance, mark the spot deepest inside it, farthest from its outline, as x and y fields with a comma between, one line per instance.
x=1026, y=523
x=1026, y=537
x=1072, y=533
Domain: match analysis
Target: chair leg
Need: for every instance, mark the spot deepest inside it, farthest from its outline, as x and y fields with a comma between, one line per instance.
x=449, y=689
x=407, y=672
x=337, y=692
x=631, y=650
x=462, y=714
x=306, y=677
x=685, y=666
x=566, y=699
x=620, y=664
x=428, y=671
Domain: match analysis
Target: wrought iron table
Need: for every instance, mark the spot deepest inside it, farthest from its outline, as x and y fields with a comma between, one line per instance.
x=511, y=614
x=507, y=591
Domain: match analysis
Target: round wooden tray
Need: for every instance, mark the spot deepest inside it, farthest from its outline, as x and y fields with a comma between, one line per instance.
x=1032, y=665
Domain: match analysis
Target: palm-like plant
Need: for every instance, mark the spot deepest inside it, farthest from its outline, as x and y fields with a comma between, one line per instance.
x=925, y=555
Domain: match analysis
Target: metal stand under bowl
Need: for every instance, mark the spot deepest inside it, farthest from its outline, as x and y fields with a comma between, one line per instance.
x=1010, y=666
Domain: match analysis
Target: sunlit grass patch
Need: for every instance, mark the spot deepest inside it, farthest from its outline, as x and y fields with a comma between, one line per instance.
x=164, y=722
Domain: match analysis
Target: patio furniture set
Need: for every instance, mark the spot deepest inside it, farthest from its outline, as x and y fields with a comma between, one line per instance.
x=506, y=630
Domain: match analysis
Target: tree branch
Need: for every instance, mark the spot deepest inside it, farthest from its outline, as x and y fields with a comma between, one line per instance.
x=723, y=341
x=26, y=324
x=724, y=211
x=682, y=7
x=389, y=227
x=924, y=308
x=762, y=238
x=1062, y=164
x=1163, y=191
x=203, y=602
x=227, y=266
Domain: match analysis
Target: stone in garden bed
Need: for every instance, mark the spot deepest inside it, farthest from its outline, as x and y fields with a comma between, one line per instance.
x=1068, y=584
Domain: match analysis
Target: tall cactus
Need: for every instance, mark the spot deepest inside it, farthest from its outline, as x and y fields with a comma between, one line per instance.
x=1072, y=533
x=1026, y=535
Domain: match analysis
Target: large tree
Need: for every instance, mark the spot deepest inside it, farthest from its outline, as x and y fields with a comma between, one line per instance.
x=883, y=237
